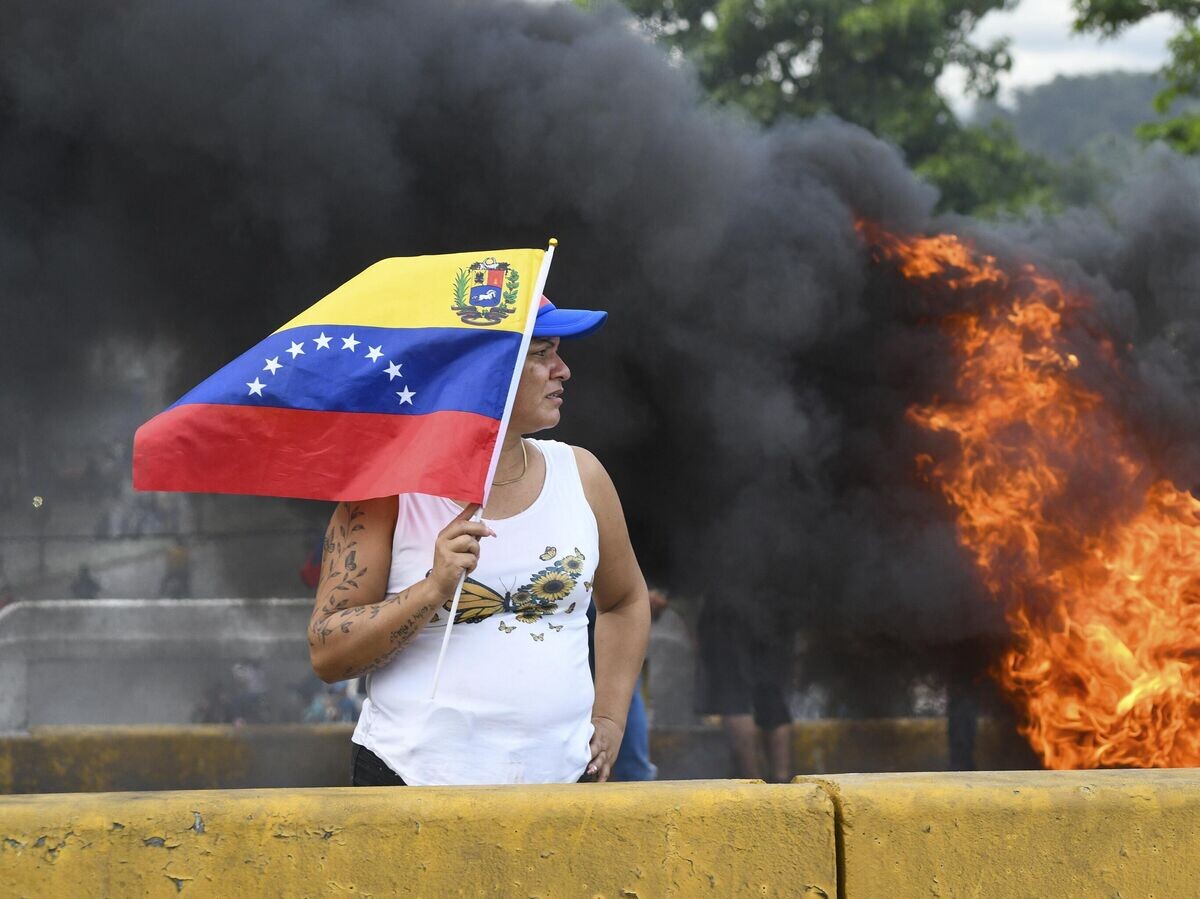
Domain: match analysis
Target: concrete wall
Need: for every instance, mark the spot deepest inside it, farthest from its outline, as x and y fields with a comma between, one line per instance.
x=1020, y=834
x=149, y=661
x=133, y=661
x=226, y=757
x=197, y=757
x=717, y=838
x=101, y=759
x=1060, y=834
x=837, y=745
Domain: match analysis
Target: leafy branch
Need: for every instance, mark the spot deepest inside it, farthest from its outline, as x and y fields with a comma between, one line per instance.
x=512, y=286
x=460, y=290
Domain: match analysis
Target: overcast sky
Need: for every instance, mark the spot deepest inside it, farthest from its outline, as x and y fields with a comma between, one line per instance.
x=1044, y=46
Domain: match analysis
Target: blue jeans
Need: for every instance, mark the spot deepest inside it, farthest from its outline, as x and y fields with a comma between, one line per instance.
x=633, y=760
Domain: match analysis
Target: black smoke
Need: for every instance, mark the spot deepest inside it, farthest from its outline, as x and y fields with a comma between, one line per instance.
x=198, y=172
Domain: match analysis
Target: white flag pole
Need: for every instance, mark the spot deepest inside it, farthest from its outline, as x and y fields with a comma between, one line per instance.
x=534, y=301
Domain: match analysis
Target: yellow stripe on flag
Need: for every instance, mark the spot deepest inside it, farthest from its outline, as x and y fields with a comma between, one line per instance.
x=435, y=292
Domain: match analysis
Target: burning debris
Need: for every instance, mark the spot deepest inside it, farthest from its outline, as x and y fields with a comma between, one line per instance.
x=1092, y=553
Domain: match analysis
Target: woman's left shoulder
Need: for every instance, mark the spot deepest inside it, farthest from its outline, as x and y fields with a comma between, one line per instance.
x=597, y=485
x=601, y=495
x=590, y=468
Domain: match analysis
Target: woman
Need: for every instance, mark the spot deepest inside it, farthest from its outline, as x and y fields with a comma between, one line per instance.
x=515, y=702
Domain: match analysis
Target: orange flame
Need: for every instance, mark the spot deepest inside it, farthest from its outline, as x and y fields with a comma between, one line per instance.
x=1097, y=562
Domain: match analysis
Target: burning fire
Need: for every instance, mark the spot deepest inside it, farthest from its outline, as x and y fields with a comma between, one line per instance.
x=1096, y=560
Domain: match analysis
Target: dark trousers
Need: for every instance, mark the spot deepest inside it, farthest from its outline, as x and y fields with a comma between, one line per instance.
x=369, y=770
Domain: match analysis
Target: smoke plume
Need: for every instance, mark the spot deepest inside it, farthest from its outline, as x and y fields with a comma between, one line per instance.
x=198, y=172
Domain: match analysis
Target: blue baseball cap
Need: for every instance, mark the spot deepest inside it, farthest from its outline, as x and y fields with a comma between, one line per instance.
x=554, y=322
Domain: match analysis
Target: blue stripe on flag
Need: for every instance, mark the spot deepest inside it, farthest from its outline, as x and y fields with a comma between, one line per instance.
x=362, y=369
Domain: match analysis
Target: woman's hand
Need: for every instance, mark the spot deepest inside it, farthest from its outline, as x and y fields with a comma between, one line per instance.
x=456, y=551
x=606, y=743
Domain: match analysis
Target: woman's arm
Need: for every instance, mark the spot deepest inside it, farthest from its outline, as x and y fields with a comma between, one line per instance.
x=354, y=627
x=622, y=615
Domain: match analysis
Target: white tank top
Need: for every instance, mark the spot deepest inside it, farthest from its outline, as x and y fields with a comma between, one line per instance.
x=514, y=703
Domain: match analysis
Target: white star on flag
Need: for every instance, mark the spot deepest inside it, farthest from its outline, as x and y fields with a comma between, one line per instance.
x=375, y=353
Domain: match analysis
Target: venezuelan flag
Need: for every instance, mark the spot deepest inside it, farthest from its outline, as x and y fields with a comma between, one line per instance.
x=400, y=381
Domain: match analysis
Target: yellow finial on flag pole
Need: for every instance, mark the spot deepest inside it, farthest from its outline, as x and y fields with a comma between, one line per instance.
x=554, y=241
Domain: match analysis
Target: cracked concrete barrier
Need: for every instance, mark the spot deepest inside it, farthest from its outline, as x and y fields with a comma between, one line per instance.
x=718, y=838
x=175, y=757
x=1018, y=834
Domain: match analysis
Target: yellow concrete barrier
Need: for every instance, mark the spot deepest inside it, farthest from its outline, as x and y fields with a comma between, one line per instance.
x=989, y=835
x=93, y=759
x=1018, y=834
x=719, y=838
x=102, y=759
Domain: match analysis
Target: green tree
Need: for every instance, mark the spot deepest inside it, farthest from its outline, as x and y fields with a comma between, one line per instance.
x=1182, y=72
x=872, y=62
x=984, y=170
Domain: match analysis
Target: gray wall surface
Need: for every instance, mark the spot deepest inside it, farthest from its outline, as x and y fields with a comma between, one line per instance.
x=151, y=661
x=143, y=661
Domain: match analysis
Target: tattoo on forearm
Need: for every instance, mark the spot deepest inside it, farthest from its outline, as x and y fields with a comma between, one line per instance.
x=325, y=624
x=341, y=575
x=319, y=630
x=340, y=579
x=397, y=639
x=341, y=561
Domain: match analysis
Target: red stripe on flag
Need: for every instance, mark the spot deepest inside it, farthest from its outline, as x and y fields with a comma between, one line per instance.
x=267, y=451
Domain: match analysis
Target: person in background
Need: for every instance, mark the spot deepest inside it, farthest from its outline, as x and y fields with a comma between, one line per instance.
x=248, y=705
x=966, y=668
x=321, y=708
x=177, y=579
x=349, y=703
x=85, y=585
x=332, y=703
x=633, y=759
x=310, y=571
x=745, y=673
x=7, y=594
x=213, y=705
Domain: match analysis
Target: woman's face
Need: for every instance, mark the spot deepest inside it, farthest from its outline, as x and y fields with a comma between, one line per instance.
x=540, y=392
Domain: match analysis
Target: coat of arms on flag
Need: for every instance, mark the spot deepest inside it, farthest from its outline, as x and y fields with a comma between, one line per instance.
x=485, y=292
x=378, y=389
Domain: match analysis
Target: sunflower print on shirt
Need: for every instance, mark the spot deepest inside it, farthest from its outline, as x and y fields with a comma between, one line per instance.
x=529, y=603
